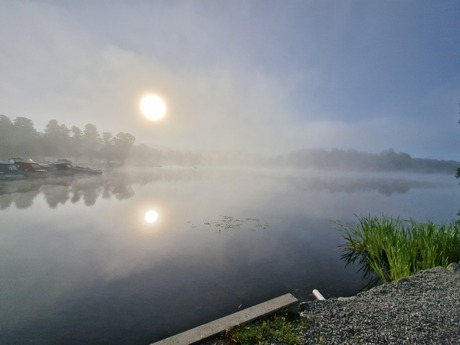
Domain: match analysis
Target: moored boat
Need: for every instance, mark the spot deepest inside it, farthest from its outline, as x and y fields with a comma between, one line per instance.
x=9, y=171
x=65, y=167
x=29, y=167
x=62, y=167
x=86, y=170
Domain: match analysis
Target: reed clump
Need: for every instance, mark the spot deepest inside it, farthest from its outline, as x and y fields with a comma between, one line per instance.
x=395, y=248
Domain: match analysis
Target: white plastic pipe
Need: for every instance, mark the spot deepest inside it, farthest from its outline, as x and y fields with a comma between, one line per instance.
x=318, y=295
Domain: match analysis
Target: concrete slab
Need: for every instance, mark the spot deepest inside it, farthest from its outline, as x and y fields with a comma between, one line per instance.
x=212, y=328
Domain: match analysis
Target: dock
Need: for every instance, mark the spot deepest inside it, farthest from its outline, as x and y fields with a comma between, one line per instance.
x=215, y=327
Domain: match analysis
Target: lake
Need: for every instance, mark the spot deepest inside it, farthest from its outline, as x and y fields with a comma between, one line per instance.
x=136, y=255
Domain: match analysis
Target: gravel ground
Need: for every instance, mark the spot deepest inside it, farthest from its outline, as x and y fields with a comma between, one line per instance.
x=421, y=309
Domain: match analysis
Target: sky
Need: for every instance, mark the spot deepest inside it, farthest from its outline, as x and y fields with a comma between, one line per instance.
x=264, y=76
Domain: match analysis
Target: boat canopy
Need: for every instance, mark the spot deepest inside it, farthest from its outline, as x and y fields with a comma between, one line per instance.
x=7, y=166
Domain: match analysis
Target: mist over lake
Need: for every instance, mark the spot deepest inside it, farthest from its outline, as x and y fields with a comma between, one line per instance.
x=213, y=149
x=137, y=254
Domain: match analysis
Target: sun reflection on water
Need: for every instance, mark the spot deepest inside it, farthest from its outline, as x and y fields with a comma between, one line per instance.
x=150, y=218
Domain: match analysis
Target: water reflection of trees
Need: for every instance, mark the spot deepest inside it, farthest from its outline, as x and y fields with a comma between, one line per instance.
x=351, y=184
x=118, y=184
x=58, y=191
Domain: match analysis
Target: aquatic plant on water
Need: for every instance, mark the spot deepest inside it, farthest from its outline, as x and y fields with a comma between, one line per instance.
x=395, y=248
x=232, y=223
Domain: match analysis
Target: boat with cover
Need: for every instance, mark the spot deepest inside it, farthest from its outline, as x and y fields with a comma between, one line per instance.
x=9, y=171
x=65, y=166
x=29, y=167
x=62, y=167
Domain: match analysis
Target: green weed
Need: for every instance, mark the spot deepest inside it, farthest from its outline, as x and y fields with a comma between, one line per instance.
x=281, y=328
x=394, y=248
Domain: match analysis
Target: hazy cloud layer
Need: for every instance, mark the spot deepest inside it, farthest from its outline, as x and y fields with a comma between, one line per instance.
x=259, y=75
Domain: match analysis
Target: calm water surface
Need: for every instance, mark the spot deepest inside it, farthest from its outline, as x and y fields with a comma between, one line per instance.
x=134, y=256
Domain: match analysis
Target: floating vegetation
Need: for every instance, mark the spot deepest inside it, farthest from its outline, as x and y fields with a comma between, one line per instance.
x=191, y=224
x=231, y=223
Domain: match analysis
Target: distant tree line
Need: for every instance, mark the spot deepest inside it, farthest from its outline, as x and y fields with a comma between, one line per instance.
x=352, y=160
x=19, y=138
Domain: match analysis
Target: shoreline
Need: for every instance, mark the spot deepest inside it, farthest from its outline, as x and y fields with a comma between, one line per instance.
x=421, y=309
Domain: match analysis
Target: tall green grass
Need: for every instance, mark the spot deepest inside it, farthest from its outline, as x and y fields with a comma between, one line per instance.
x=395, y=248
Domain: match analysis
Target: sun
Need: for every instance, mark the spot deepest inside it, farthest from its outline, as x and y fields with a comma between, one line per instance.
x=151, y=216
x=153, y=107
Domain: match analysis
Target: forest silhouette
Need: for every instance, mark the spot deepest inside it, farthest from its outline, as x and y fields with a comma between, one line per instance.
x=19, y=138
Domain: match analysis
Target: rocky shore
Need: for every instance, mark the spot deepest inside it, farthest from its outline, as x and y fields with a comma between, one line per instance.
x=421, y=309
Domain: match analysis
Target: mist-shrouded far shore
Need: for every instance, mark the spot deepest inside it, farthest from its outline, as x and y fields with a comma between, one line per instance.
x=19, y=138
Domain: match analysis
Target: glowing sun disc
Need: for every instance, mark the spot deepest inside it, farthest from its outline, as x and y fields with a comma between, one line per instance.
x=153, y=107
x=151, y=216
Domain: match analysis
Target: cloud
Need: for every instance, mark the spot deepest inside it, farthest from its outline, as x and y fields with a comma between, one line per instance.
x=289, y=78
x=376, y=134
x=59, y=71
x=215, y=108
